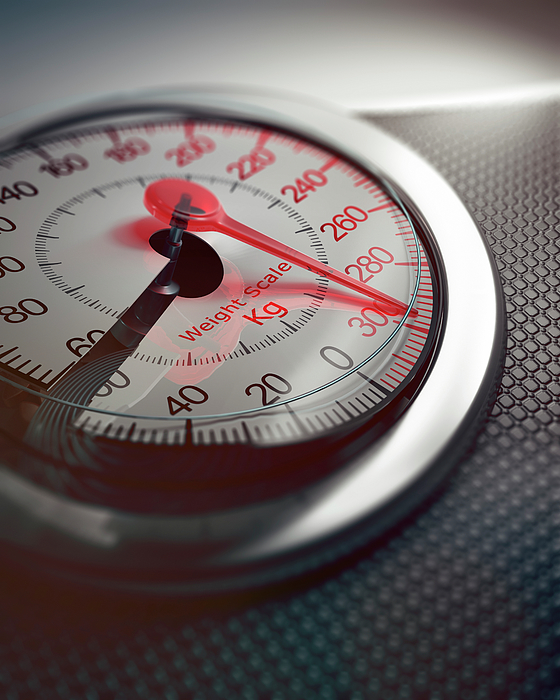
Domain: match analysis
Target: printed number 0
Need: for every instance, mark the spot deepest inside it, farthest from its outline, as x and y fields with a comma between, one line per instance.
x=15, y=266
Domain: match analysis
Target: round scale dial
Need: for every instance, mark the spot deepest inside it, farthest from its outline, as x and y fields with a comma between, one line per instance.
x=212, y=311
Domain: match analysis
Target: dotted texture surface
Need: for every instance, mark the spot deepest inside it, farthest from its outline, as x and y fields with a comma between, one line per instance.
x=462, y=600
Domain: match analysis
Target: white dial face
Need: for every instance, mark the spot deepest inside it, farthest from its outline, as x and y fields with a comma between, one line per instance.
x=231, y=328
x=275, y=353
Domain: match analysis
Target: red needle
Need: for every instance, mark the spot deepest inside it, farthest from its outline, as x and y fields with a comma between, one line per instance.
x=181, y=202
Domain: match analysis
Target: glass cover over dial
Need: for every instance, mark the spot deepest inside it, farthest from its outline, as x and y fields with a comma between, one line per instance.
x=210, y=314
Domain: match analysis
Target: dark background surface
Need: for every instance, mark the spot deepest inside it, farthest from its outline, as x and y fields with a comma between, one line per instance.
x=461, y=601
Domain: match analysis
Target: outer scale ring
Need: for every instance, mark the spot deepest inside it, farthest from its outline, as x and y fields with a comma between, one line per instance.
x=375, y=488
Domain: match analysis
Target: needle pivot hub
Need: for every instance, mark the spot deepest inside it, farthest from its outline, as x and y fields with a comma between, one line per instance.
x=165, y=199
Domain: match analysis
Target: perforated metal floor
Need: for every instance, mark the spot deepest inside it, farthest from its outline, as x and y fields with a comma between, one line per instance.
x=460, y=601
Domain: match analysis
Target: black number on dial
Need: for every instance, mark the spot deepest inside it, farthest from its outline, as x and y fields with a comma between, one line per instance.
x=65, y=165
x=24, y=309
x=6, y=222
x=267, y=384
x=107, y=388
x=18, y=190
x=76, y=345
x=14, y=265
x=186, y=393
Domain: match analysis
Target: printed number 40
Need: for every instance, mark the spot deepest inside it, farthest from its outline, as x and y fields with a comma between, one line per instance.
x=189, y=394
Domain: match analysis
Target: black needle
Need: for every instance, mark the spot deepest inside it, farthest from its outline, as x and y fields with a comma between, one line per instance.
x=132, y=327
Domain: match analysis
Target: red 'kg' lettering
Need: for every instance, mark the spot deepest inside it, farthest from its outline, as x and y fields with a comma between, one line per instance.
x=254, y=318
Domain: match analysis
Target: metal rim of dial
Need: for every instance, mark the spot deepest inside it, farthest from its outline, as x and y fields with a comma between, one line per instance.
x=373, y=490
